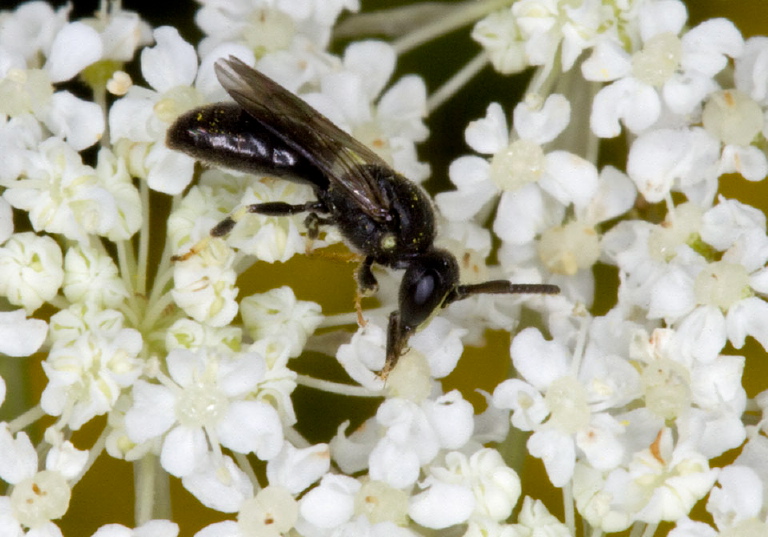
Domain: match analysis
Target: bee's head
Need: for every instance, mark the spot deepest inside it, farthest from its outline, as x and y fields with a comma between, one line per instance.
x=427, y=281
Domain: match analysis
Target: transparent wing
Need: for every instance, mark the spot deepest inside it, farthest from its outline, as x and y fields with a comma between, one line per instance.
x=343, y=159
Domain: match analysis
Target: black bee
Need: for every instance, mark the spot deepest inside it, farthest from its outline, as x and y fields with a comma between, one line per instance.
x=380, y=213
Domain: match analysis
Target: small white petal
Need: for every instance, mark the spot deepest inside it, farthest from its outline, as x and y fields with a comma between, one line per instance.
x=749, y=161
x=616, y=194
x=636, y=104
x=607, y=62
x=373, y=62
x=442, y=505
x=221, y=487
x=682, y=94
x=723, y=224
x=66, y=459
x=332, y=503
x=475, y=189
x=20, y=336
x=558, y=453
x=748, y=317
x=601, y=442
x=537, y=360
x=452, y=418
x=440, y=342
x=525, y=401
x=543, y=124
x=152, y=413
x=170, y=171
x=739, y=496
x=18, y=459
x=489, y=134
x=296, y=469
x=252, y=426
x=569, y=179
x=751, y=73
x=171, y=62
x=655, y=160
x=660, y=17
x=703, y=333
x=74, y=48
x=672, y=295
x=184, y=450
x=81, y=123
x=706, y=47
x=394, y=464
x=520, y=215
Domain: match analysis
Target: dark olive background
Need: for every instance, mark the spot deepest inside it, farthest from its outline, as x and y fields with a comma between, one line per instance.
x=106, y=493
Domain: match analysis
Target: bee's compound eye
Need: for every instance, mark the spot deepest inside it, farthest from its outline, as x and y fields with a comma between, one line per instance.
x=424, y=289
x=425, y=284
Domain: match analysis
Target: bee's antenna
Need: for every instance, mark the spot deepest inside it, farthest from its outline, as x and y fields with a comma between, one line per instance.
x=499, y=287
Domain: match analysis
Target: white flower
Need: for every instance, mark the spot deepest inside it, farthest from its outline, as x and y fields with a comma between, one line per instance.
x=277, y=315
x=706, y=396
x=499, y=35
x=299, y=30
x=92, y=276
x=38, y=497
x=496, y=487
x=62, y=195
x=91, y=360
x=542, y=28
x=207, y=401
x=204, y=285
x=669, y=73
x=30, y=270
x=575, y=402
x=188, y=334
x=271, y=513
x=413, y=436
x=736, y=120
x=26, y=87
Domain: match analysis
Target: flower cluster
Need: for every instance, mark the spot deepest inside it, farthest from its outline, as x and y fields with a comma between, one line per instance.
x=639, y=412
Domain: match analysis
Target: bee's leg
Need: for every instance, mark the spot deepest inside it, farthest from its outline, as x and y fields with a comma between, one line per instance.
x=397, y=337
x=366, y=286
x=273, y=208
x=313, y=223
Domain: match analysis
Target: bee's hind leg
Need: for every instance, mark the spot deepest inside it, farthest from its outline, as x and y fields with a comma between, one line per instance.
x=272, y=208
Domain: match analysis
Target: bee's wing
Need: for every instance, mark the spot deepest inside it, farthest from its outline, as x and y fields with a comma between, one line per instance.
x=342, y=158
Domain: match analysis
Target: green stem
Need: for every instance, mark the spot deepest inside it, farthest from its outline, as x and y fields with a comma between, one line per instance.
x=27, y=418
x=336, y=387
x=456, y=82
x=153, y=498
x=464, y=14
